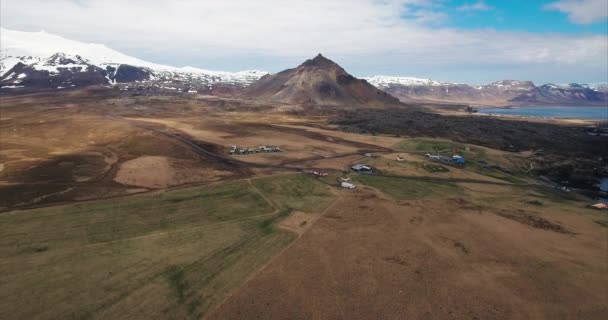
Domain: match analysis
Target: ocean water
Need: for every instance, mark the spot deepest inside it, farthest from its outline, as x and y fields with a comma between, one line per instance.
x=603, y=183
x=596, y=113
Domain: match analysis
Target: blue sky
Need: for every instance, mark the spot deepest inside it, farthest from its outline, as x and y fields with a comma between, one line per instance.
x=468, y=41
x=519, y=15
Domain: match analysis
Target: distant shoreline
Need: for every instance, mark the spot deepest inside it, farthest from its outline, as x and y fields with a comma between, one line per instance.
x=515, y=117
x=513, y=106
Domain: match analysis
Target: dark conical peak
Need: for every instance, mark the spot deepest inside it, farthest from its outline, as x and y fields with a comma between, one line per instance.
x=320, y=62
x=320, y=57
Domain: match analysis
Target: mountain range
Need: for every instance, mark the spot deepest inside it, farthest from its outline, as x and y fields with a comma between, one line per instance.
x=505, y=92
x=40, y=60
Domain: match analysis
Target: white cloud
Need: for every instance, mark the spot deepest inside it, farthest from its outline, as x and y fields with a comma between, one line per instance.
x=582, y=11
x=477, y=6
x=369, y=36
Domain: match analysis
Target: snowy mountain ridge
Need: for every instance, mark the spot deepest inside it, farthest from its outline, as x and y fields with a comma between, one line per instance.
x=40, y=60
x=504, y=92
x=381, y=82
x=387, y=81
x=36, y=52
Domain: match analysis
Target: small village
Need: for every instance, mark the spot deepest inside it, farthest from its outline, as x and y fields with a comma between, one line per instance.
x=454, y=160
x=236, y=150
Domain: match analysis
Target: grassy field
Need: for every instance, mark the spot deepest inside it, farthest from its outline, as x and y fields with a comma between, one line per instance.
x=472, y=154
x=408, y=189
x=297, y=192
x=434, y=168
x=494, y=173
x=172, y=255
x=436, y=146
x=332, y=178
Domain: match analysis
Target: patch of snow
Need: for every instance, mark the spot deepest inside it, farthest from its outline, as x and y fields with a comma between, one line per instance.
x=387, y=81
x=8, y=60
x=510, y=85
x=596, y=85
x=57, y=68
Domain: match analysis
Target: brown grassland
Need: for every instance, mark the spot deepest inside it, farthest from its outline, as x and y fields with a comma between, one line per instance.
x=121, y=207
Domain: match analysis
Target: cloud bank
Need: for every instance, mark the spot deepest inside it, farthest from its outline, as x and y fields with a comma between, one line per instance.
x=582, y=11
x=368, y=36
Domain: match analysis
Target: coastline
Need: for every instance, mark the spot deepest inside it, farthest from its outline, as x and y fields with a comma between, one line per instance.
x=563, y=121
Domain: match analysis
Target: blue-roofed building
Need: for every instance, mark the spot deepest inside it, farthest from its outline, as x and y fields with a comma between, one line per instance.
x=458, y=159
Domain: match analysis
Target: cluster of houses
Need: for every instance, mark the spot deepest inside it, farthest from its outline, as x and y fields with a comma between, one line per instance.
x=258, y=149
x=359, y=168
x=456, y=159
x=343, y=182
x=318, y=173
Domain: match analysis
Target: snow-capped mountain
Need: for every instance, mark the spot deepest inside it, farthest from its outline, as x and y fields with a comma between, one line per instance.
x=387, y=81
x=502, y=92
x=42, y=60
x=597, y=86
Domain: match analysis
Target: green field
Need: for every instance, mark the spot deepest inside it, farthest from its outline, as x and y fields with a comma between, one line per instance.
x=435, y=146
x=434, y=168
x=472, y=154
x=409, y=189
x=171, y=255
x=297, y=192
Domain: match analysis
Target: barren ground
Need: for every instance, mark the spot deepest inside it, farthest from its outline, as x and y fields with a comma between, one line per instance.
x=212, y=235
x=448, y=258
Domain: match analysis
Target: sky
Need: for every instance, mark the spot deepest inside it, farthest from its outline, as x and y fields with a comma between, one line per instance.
x=469, y=41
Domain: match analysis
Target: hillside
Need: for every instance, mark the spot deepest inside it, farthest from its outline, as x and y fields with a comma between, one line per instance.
x=318, y=81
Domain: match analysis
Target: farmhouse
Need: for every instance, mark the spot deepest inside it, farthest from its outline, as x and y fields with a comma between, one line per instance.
x=458, y=159
x=361, y=168
x=347, y=185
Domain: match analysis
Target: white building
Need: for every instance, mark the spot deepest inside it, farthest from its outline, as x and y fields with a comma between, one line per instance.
x=347, y=185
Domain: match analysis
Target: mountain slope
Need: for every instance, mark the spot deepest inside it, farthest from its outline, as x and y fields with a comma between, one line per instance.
x=39, y=60
x=318, y=81
x=503, y=92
